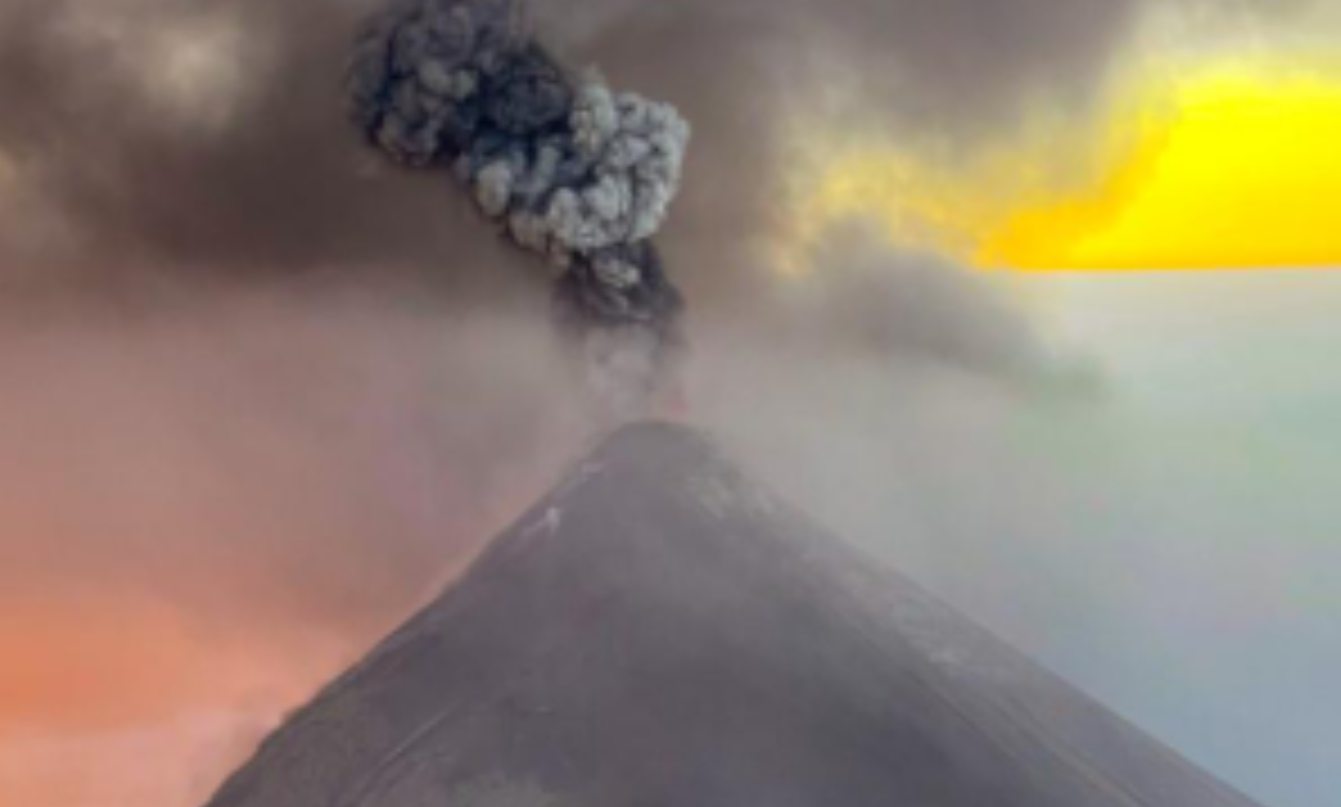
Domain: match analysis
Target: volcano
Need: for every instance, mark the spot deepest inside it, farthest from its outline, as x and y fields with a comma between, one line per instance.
x=661, y=632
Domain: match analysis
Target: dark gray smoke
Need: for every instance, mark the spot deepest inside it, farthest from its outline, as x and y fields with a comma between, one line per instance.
x=567, y=168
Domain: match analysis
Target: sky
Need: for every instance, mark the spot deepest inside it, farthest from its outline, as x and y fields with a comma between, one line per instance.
x=1209, y=147
x=1224, y=444
x=1039, y=295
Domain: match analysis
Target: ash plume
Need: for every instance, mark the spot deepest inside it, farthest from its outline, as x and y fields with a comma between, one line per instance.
x=564, y=166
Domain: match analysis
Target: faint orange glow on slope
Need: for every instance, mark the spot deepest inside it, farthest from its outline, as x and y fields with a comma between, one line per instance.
x=1227, y=167
x=100, y=662
x=120, y=700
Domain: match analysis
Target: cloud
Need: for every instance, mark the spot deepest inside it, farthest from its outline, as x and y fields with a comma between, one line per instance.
x=211, y=139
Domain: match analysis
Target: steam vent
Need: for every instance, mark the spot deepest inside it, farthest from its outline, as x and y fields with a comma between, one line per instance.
x=659, y=632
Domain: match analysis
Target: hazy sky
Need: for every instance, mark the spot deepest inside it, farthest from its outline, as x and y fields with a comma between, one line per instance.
x=1224, y=440
x=263, y=395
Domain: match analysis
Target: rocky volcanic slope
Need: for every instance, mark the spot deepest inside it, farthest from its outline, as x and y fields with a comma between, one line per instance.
x=659, y=632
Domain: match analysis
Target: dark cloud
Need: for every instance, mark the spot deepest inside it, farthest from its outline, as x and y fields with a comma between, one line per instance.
x=937, y=61
x=934, y=74
x=268, y=177
x=263, y=179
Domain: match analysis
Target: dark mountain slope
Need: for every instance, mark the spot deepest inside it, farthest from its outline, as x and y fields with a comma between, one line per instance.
x=659, y=632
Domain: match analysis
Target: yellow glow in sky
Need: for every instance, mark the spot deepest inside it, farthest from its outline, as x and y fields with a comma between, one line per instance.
x=1226, y=166
x=1245, y=173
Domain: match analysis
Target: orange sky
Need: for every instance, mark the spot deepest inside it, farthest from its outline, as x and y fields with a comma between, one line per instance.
x=210, y=512
x=155, y=703
x=94, y=661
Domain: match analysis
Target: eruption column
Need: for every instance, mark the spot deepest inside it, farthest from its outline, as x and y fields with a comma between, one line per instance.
x=566, y=168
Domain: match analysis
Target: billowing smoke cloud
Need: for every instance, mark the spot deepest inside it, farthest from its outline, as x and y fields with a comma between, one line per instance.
x=567, y=168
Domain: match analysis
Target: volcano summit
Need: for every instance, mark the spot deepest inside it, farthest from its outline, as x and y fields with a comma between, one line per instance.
x=660, y=632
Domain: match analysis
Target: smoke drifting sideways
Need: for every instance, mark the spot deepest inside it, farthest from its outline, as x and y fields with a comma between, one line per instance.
x=565, y=167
